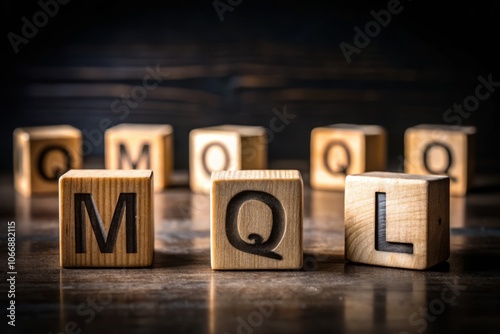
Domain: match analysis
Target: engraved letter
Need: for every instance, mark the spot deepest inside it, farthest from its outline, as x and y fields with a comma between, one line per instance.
x=259, y=247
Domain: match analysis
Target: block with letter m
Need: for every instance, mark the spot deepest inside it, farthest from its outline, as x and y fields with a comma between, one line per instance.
x=106, y=218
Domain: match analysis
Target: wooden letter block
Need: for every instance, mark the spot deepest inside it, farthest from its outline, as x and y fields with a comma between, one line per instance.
x=256, y=219
x=106, y=218
x=397, y=220
x=224, y=147
x=141, y=146
x=341, y=149
x=442, y=150
x=42, y=154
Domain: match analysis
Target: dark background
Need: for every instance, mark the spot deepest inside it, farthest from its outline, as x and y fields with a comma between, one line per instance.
x=263, y=55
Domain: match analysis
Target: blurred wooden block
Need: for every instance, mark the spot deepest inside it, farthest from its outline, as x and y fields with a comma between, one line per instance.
x=224, y=147
x=397, y=220
x=256, y=219
x=341, y=149
x=141, y=146
x=442, y=150
x=106, y=218
x=42, y=154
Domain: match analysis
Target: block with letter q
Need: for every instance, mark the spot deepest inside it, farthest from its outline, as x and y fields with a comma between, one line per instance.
x=256, y=220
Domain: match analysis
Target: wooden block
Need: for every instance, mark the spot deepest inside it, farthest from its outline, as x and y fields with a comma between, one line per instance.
x=397, y=220
x=42, y=154
x=256, y=219
x=224, y=147
x=442, y=150
x=341, y=149
x=106, y=218
x=141, y=146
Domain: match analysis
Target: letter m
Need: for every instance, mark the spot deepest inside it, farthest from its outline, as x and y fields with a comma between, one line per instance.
x=133, y=164
x=127, y=202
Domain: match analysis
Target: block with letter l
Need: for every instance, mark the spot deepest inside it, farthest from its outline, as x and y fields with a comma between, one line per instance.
x=256, y=219
x=397, y=220
x=106, y=218
x=42, y=154
x=442, y=150
x=342, y=149
x=141, y=146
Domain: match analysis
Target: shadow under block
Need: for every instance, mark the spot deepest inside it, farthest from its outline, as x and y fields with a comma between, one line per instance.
x=224, y=147
x=397, y=220
x=256, y=219
x=141, y=146
x=341, y=149
x=42, y=154
x=442, y=150
x=106, y=218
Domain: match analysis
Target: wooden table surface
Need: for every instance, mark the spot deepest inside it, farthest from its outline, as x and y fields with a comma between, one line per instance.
x=180, y=293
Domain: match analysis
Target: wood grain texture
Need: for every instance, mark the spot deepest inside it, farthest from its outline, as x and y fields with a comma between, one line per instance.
x=444, y=150
x=256, y=219
x=42, y=154
x=342, y=149
x=141, y=146
x=416, y=212
x=224, y=147
x=105, y=189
